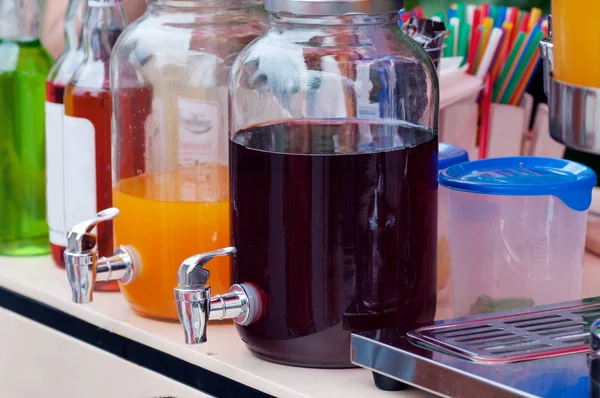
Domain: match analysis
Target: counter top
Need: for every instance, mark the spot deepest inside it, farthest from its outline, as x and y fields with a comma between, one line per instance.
x=37, y=280
x=221, y=367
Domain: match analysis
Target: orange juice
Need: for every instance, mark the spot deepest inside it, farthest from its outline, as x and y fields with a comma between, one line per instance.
x=166, y=218
x=576, y=41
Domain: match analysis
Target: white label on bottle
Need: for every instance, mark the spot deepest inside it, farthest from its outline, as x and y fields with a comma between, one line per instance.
x=55, y=210
x=199, y=131
x=79, y=170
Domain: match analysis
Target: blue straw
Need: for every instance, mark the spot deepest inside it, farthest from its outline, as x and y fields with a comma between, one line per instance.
x=500, y=17
x=451, y=13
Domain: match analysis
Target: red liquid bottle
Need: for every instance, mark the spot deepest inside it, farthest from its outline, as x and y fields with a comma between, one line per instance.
x=87, y=125
x=59, y=76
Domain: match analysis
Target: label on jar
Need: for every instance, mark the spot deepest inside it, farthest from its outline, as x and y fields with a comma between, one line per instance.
x=79, y=153
x=199, y=131
x=363, y=87
x=55, y=206
x=156, y=149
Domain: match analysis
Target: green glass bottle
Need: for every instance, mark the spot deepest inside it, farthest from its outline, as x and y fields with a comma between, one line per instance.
x=24, y=65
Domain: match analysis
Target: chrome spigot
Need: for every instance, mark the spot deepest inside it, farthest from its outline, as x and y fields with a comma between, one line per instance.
x=547, y=54
x=196, y=307
x=84, y=267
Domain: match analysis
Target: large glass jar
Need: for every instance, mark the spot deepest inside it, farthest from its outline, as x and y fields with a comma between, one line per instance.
x=24, y=64
x=333, y=156
x=169, y=79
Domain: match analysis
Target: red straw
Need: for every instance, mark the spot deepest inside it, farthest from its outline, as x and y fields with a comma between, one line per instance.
x=485, y=10
x=524, y=26
x=405, y=17
x=419, y=11
x=477, y=19
x=515, y=22
x=473, y=49
x=486, y=108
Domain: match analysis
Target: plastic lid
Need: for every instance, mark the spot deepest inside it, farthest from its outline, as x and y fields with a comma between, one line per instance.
x=333, y=7
x=571, y=182
x=449, y=155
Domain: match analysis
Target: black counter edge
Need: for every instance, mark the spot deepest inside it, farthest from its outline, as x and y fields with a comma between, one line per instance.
x=147, y=357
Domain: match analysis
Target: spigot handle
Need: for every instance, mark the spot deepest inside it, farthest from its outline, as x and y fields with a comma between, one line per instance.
x=82, y=263
x=80, y=239
x=193, y=275
x=193, y=295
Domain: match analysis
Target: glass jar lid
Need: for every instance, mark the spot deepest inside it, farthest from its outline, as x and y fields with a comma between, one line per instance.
x=333, y=7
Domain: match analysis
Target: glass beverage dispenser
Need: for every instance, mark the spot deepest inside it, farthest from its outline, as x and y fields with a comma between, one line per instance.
x=169, y=75
x=572, y=74
x=24, y=64
x=333, y=174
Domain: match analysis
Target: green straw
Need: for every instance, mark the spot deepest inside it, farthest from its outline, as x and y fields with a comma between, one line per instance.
x=508, y=66
x=493, y=14
x=463, y=42
x=521, y=67
x=449, y=50
x=461, y=13
x=480, y=50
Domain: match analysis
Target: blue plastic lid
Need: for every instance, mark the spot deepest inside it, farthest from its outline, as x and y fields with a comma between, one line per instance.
x=571, y=182
x=449, y=155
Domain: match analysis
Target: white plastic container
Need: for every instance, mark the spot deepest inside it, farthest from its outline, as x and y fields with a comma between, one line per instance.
x=516, y=230
x=449, y=155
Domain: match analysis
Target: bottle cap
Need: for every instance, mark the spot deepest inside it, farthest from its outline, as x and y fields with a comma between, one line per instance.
x=333, y=7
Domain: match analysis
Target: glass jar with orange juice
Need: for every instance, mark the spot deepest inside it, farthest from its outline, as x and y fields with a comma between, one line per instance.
x=170, y=162
x=576, y=42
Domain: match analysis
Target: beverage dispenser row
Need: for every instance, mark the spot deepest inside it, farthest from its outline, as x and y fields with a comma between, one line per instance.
x=273, y=164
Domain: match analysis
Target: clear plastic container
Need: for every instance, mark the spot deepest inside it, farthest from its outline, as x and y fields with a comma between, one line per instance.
x=449, y=155
x=169, y=75
x=516, y=228
x=333, y=155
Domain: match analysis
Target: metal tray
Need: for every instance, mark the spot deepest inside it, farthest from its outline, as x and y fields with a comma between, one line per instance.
x=535, y=352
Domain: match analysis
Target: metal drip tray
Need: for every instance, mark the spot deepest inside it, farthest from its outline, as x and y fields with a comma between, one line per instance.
x=517, y=337
x=535, y=352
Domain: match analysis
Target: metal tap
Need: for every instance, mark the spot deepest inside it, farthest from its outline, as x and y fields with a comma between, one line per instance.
x=547, y=53
x=84, y=267
x=196, y=307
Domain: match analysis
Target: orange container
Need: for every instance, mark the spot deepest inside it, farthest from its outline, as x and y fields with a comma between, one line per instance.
x=166, y=218
x=576, y=41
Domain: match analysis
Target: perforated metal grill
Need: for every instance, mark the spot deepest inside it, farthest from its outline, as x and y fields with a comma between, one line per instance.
x=516, y=337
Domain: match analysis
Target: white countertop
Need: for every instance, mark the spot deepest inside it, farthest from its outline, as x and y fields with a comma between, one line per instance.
x=224, y=353
x=37, y=278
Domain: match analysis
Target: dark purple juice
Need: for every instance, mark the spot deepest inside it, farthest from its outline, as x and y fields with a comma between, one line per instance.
x=336, y=221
